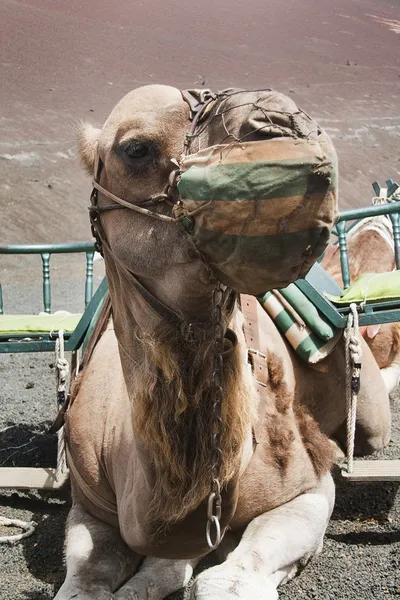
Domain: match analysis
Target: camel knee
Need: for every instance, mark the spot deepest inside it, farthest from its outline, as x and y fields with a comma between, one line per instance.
x=374, y=442
x=368, y=439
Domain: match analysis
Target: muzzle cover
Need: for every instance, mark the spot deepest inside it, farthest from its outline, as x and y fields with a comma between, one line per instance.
x=260, y=212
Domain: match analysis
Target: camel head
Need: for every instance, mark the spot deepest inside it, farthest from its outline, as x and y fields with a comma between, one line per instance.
x=141, y=144
x=137, y=144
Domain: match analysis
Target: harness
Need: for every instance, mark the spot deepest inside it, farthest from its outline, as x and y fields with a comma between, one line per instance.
x=198, y=102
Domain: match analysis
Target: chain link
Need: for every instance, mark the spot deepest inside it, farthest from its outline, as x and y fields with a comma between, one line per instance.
x=214, y=507
x=95, y=221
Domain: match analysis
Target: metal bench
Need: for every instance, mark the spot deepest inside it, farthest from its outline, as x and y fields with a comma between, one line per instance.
x=31, y=340
x=40, y=335
x=318, y=284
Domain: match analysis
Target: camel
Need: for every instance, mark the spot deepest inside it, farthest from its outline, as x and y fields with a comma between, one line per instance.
x=141, y=452
x=371, y=250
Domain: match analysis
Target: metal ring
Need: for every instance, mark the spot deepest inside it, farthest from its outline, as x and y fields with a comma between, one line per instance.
x=217, y=542
x=214, y=507
x=210, y=507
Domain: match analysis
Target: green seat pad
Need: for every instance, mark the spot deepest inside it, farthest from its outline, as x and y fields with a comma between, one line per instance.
x=21, y=324
x=371, y=287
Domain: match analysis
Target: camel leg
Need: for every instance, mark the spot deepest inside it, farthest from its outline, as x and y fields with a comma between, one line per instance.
x=157, y=579
x=98, y=560
x=272, y=548
x=373, y=425
x=373, y=420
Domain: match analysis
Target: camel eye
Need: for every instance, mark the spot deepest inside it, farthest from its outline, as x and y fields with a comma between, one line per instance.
x=136, y=149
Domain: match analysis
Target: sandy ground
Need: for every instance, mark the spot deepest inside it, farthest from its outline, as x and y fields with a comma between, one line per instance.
x=65, y=61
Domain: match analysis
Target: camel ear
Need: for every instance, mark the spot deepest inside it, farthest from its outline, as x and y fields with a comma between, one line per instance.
x=373, y=330
x=88, y=141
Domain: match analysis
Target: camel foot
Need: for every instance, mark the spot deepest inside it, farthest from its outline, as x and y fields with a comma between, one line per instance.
x=66, y=592
x=220, y=583
x=157, y=579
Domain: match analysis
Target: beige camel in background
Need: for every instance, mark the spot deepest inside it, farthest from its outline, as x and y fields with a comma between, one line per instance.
x=138, y=431
x=371, y=250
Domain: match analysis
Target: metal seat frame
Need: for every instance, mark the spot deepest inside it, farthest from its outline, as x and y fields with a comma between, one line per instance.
x=318, y=283
x=45, y=478
x=42, y=342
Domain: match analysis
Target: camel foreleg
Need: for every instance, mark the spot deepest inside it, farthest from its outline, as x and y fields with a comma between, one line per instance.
x=157, y=579
x=271, y=549
x=98, y=560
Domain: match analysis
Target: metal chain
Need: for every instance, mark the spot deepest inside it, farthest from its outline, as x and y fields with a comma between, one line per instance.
x=95, y=221
x=214, y=507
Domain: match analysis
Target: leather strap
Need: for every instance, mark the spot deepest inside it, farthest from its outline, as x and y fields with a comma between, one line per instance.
x=155, y=304
x=249, y=309
x=88, y=490
x=198, y=100
x=124, y=204
x=257, y=358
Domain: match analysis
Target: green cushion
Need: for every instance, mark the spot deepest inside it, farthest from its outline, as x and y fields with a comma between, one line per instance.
x=21, y=324
x=371, y=287
x=317, y=322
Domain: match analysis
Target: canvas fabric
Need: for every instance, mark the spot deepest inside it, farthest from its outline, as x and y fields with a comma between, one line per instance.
x=261, y=212
x=313, y=341
x=20, y=324
x=371, y=287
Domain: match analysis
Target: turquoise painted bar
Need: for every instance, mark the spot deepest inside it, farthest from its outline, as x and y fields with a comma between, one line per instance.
x=50, y=248
x=45, y=251
x=369, y=211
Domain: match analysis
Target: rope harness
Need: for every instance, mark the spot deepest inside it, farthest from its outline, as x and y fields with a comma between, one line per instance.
x=198, y=102
x=353, y=371
x=62, y=371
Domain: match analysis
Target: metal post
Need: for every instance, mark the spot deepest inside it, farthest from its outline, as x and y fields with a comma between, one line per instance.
x=344, y=259
x=46, y=281
x=89, y=277
x=1, y=300
x=395, y=218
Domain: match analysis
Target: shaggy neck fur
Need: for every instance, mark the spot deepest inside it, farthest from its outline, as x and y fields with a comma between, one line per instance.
x=168, y=379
